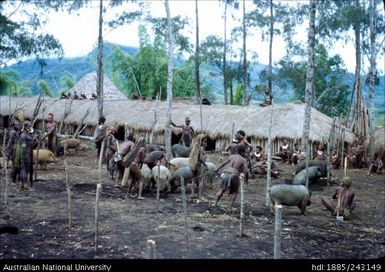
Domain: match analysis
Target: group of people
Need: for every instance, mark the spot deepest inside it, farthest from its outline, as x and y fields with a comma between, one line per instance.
x=21, y=142
x=77, y=96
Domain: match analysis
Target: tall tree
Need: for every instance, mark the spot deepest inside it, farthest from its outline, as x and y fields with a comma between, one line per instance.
x=373, y=54
x=197, y=63
x=309, y=91
x=246, y=96
x=225, y=54
x=99, y=80
x=170, y=58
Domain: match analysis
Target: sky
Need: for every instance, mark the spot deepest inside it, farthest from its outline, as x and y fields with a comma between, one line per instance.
x=78, y=32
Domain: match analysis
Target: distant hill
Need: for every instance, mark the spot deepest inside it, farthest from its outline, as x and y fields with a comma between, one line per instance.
x=78, y=67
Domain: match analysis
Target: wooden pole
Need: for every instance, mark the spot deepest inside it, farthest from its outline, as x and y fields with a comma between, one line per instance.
x=268, y=179
x=125, y=131
x=277, y=231
x=68, y=187
x=5, y=163
x=150, y=249
x=100, y=161
x=37, y=157
x=345, y=166
x=158, y=188
x=98, y=189
x=342, y=150
x=201, y=182
x=184, y=199
x=242, y=215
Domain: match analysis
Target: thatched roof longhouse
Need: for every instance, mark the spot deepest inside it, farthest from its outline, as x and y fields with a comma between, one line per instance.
x=217, y=119
x=87, y=85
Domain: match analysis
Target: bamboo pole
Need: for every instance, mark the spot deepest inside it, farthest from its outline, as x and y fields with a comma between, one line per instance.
x=151, y=249
x=37, y=157
x=158, y=188
x=125, y=131
x=345, y=166
x=5, y=163
x=201, y=182
x=68, y=187
x=242, y=214
x=268, y=179
x=277, y=231
x=183, y=187
x=100, y=161
x=98, y=189
x=342, y=150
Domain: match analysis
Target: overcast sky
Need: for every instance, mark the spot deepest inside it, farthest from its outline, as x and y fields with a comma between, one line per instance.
x=78, y=32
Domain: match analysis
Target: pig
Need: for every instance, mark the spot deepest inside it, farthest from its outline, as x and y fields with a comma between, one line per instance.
x=146, y=173
x=154, y=147
x=176, y=163
x=180, y=151
x=165, y=176
x=290, y=195
x=45, y=156
x=70, y=143
x=175, y=181
x=210, y=173
x=314, y=173
x=323, y=165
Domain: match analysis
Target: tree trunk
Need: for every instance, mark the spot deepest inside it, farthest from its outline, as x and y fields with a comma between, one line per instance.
x=372, y=75
x=99, y=81
x=270, y=80
x=224, y=56
x=245, y=95
x=309, y=79
x=197, y=64
x=169, y=81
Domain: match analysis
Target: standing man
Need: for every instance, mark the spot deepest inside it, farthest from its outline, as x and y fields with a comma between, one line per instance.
x=236, y=166
x=100, y=133
x=187, y=132
x=50, y=133
x=111, y=145
x=197, y=161
x=12, y=148
x=26, y=141
x=125, y=147
x=137, y=179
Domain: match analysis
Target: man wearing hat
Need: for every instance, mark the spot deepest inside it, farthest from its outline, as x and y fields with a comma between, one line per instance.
x=346, y=200
x=187, y=132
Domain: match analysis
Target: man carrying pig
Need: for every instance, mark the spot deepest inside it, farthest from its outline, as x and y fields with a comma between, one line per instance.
x=125, y=147
x=236, y=166
x=100, y=133
x=50, y=133
x=12, y=148
x=346, y=200
x=26, y=141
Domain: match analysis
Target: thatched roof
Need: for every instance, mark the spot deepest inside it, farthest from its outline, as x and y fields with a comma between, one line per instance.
x=380, y=138
x=87, y=85
x=217, y=119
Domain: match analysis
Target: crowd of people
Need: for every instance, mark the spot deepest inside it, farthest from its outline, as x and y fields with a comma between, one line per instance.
x=241, y=163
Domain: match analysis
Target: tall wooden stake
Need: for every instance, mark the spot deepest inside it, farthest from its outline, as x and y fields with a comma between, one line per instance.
x=158, y=188
x=151, y=245
x=342, y=150
x=277, y=231
x=68, y=185
x=98, y=189
x=242, y=215
x=5, y=163
x=184, y=199
x=268, y=180
x=101, y=160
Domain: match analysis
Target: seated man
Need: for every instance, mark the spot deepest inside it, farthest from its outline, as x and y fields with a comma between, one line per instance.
x=296, y=153
x=355, y=156
x=321, y=156
x=284, y=151
x=335, y=160
x=346, y=200
x=259, y=166
x=376, y=165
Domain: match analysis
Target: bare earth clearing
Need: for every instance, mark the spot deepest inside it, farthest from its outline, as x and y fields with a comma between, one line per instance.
x=125, y=224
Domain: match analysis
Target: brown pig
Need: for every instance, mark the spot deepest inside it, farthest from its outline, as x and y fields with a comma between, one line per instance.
x=70, y=143
x=45, y=156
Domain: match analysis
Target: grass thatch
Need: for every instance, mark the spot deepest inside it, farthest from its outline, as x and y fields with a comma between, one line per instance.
x=87, y=85
x=217, y=119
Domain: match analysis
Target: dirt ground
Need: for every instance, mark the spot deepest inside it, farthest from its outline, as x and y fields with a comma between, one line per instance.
x=40, y=216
